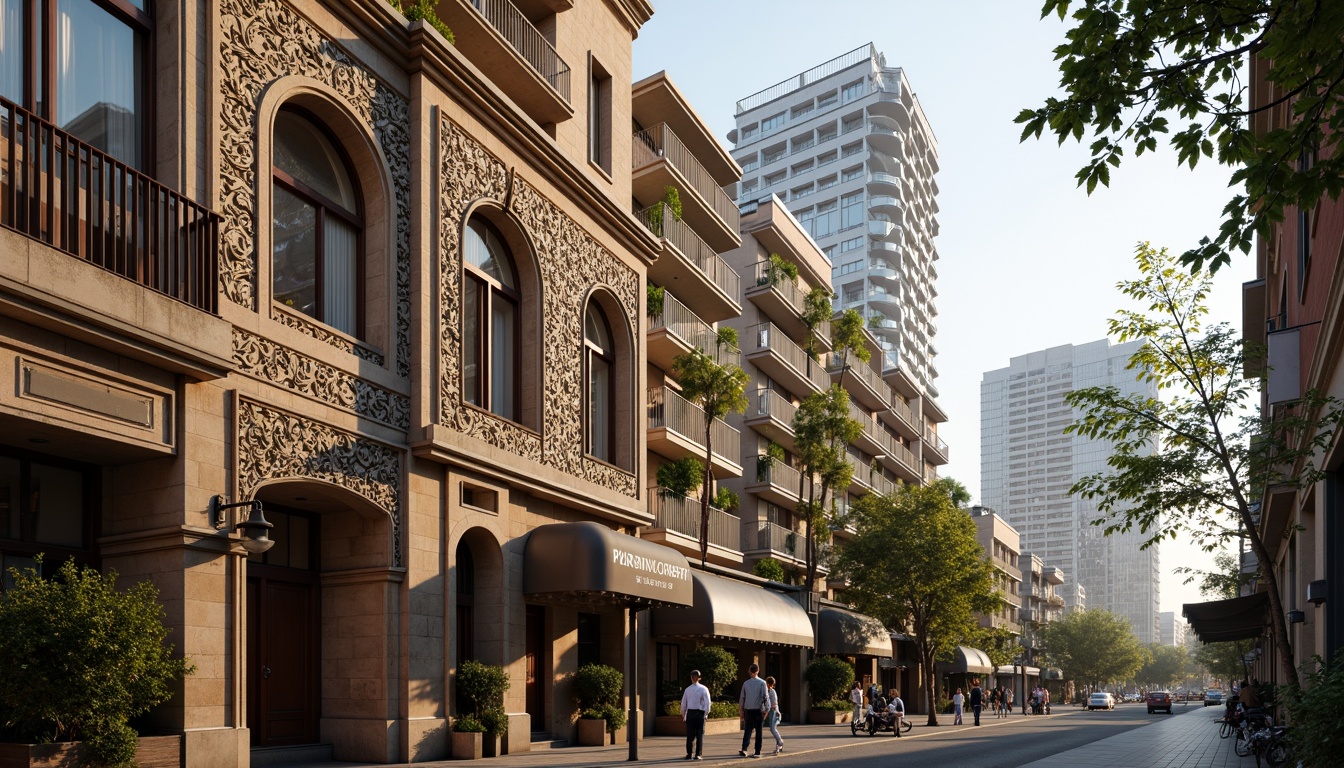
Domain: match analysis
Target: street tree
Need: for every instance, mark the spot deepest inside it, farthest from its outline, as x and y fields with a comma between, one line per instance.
x=1000, y=644
x=1134, y=73
x=915, y=564
x=1094, y=647
x=1163, y=665
x=1225, y=660
x=955, y=490
x=1196, y=458
x=718, y=385
x=821, y=427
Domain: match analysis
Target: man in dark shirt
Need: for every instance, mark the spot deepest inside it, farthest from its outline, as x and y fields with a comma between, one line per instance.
x=977, y=699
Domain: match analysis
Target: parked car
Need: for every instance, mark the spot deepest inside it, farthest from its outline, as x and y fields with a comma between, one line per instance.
x=1213, y=698
x=1159, y=700
x=1101, y=700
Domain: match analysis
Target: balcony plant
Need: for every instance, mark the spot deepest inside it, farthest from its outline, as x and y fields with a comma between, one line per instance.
x=415, y=10
x=483, y=685
x=777, y=268
x=654, y=301
x=726, y=500
x=828, y=679
x=597, y=688
x=764, y=463
x=769, y=568
x=677, y=478
x=81, y=659
x=671, y=203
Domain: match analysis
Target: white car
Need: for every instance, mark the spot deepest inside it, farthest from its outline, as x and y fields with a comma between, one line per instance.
x=1101, y=700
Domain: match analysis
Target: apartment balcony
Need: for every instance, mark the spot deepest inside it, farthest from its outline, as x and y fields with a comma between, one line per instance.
x=901, y=417
x=885, y=231
x=897, y=375
x=884, y=273
x=690, y=267
x=676, y=331
x=872, y=439
x=882, y=183
x=935, y=450
x=500, y=40
x=1012, y=600
x=677, y=430
x=886, y=141
x=783, y=301
x=1013, y=571
x=1053, y=575
x=783, y=544
x=865, y=479
x=1055, y=601
x=143, y=258
x=660, y=160
x=770, y=414
x=883, y=327
x=773, y=481
x=887, y=204
x=889, y=106
x=904, y=462
x=676, y=524
x=886, y=301
x=770, y=350
x=932, y=410
x=862, y=382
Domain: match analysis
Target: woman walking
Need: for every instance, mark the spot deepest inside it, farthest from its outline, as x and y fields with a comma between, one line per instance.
x=958, y=703
x=856, y=698
x=772, y=712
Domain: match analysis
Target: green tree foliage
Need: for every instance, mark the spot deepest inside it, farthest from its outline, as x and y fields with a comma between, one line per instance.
x=597, y=688
x=828, y=678
x=1134, y=73
x=1317, y=713
x=80, y=659
x=719, y=388
x=998, y=643
x=1093, y=647
x=822, y=428
x=1163, y=665
x=778, y=269
x=1193, y=460
x=955, y=490
x=915, y=564
x=718, y=667
x=682, y=475
x=850, y=341
x=415, y=10
x=816, y=310
x=1225, y=661
x=769, y=568
x=484, y=685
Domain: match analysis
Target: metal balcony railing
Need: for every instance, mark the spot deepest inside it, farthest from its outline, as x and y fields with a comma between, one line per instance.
x=861, y=371
x=767, y=336
x=902, y=409
x=764, y=402
x=763, y=274
x=681, y=514
x=659, y=141
x=693, y=332
x=776, y=473
x=670, y=410
x=60, y=191
x=697, y=251
x=528, y=42
x=932, y=437
x=776, y=538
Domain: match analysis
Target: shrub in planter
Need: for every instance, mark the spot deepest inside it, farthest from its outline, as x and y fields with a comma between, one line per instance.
x=597, y=687
x=468, y=724
x=769, y=568
x=80, y=659
x=484, y=685
x=718, y=668
x=827, y=678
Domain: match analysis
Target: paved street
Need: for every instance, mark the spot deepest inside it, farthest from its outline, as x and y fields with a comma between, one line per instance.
x=1126, y=736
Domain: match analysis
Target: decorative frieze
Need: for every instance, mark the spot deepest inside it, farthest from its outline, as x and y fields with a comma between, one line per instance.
x=284, y=367
x=261, y=41
x=274, y=444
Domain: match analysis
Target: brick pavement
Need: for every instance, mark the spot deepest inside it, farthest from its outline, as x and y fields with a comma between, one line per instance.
x=1185, y=740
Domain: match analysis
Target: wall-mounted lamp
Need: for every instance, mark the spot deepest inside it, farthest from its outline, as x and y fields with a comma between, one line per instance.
x=255, y=529
x=1296, y=617
x=1316, y=592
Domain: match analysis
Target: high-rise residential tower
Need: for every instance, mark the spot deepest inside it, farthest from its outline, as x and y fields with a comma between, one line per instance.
x=845, y=145
x=1028, y=464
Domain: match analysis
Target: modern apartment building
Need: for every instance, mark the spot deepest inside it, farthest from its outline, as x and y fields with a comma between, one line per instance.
x=1028, y=464
x=1172, y=629
x=1002, y=544
x=846, y=147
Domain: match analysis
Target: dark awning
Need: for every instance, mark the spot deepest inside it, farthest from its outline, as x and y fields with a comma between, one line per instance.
x=734, y=610
x=968, y=661
x=586, y=563
x=846, y=633
x=1239, y=618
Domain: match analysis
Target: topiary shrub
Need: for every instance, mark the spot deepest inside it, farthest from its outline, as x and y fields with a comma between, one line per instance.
x=484, y=685
x=769, y=568
x=598, y=688
x=78, y=660
x=718, y=668
x=828, y=679
x=468, y=724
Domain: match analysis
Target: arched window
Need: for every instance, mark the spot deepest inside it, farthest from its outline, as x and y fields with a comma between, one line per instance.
x=598, y=385
x=490, y=320
x=316, y=265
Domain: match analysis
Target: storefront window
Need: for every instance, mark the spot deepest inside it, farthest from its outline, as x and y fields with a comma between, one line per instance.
x=43, y=508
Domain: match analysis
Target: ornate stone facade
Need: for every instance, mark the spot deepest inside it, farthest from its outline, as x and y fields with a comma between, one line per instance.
x=274, y=444
x=261, y=41
x=284, y=367
x=572, y=264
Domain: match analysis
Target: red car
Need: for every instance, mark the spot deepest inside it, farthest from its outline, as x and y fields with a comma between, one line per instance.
x=1159, y=700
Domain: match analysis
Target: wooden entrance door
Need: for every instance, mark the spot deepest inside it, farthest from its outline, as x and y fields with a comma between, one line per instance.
x=282, y=656
x=536, y=647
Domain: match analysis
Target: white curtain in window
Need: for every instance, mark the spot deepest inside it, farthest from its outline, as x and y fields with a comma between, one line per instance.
x=11, y=50
x=503, y=338
x=599, y=407
x=97, y=79
x=340, y=244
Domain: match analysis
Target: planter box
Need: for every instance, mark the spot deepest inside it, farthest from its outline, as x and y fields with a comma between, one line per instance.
x=467, y=746
x=152, y=752
x=673, y=725
x=592, y=733
x=491, y=745
x=828, y=717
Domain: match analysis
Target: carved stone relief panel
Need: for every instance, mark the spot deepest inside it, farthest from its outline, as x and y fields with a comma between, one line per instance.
x=261, y=41
x=275, y=444
x=571, y=263
x=280, y=365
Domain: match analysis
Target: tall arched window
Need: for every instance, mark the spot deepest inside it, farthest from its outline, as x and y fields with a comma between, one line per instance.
x=598, y=385
x=316, y=265
x=490, y=319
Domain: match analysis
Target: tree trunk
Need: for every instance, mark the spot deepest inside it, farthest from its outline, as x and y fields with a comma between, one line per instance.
x=704, y=497
x=811, y=556
x=1278, y=619
x=930, y=683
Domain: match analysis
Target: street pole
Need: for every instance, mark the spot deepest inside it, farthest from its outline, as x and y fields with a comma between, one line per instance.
x=632, y=723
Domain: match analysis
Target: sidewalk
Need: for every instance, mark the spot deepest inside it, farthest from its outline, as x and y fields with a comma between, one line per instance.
x=1185, y=740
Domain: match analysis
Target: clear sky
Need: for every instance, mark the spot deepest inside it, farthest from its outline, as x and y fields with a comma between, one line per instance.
x=1027, y=260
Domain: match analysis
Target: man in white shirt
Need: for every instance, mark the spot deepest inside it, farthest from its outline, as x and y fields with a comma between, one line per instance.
x=694, y=710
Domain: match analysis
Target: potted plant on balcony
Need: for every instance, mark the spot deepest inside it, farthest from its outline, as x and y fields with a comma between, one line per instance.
x=653, y=301
x=597, y=687
x=483, y=685
x=677, y=478
x=774, y=452
x=415, y=10
x=671, y=203
x=718, y=669
x=726, y=500
x=79, y=660
x=776, y=269
x=828, y=678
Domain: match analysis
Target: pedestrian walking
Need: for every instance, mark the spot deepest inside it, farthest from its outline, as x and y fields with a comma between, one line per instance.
x=1008, y=701
x=996, y=701
x=977, y=700
x=958, y=702
x=772, y=713
x=694, y=710
x=751, y=703
x=856, y=698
